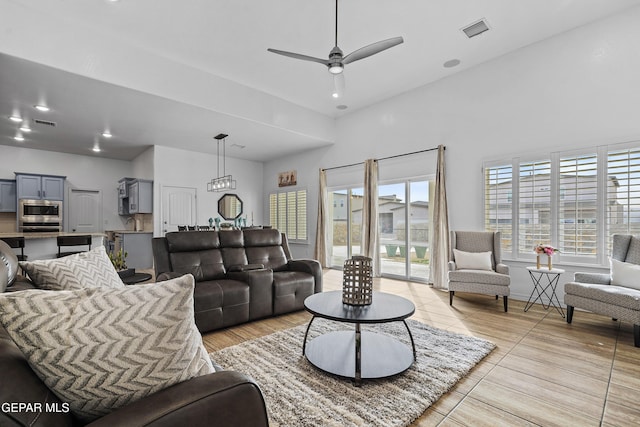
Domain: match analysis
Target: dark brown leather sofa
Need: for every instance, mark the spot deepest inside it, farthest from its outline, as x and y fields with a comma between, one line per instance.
x=224, y=398
x=240, y=275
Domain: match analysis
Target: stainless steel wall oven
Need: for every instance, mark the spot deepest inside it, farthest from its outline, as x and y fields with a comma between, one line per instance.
x=39, y=215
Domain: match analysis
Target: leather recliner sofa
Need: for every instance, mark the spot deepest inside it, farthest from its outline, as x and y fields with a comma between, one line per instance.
x=223, y=398
x=241, y=275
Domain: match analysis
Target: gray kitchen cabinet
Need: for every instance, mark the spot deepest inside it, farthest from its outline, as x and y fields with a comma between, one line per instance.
x=8, y=199
x=140, y=198
x=138, y=248
x=39, y=187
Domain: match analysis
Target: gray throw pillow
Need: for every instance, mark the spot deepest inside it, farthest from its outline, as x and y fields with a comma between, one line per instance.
x=86, y=269
x=100, y=348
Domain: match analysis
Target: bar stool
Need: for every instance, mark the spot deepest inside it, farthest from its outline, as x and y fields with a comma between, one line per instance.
x=73, y=241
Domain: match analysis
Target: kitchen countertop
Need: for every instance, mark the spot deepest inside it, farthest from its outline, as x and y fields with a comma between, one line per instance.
x=48, y=235
x=127, y=231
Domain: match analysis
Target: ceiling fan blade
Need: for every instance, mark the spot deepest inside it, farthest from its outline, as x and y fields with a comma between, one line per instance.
x=372, y=49
x=299, y=56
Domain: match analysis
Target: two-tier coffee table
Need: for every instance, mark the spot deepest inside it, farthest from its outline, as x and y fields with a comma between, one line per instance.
x=359, y=354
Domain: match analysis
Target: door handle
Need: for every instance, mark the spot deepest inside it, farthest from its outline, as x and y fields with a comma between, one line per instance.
x=44, y=193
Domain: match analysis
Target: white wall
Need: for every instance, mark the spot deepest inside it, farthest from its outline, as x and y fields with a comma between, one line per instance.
x=142, y=165
x=87, y=172
x=578, y=89
x=182, y=168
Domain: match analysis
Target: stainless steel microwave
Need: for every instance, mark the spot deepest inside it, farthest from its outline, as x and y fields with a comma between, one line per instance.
x=39, y=215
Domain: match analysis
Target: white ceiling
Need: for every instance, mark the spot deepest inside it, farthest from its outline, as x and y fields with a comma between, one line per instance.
x=62, y=52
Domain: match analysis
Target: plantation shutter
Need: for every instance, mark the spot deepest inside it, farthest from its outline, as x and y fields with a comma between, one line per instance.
x=498, y=209
x=577, y=205
x=623, y=192
x=288, y=213
x=534, y=205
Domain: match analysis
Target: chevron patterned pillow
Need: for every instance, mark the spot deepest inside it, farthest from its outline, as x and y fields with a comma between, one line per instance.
x=86, y=269
x=99, y=348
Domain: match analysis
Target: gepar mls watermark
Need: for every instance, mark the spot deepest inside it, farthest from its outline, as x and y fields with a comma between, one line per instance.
x=17, y=407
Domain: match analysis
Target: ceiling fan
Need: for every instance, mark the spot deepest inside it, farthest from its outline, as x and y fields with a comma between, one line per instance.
x=337, y=60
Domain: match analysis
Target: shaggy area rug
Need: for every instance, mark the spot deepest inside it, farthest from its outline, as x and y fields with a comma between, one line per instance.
x=298, y=394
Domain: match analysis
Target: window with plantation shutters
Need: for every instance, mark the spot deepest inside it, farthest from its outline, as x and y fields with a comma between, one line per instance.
x=288, y=213
x=623, y=192
x=573, y=200
x=578, y=205
x=534, y=205
x=499, y=202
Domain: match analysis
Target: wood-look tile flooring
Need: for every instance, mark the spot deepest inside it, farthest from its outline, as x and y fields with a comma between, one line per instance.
x=543, y=371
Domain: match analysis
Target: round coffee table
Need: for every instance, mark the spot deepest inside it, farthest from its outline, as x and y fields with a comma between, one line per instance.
x=359, y=354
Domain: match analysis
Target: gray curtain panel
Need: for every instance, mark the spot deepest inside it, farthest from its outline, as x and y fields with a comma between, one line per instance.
x=321, y=252
x=439, y=250
x=370, y=246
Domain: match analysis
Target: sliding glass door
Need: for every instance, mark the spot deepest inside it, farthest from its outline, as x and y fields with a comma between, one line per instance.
x=345, y=211
x=403, y=227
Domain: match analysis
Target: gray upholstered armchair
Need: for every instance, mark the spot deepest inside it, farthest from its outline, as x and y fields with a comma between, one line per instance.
x=604, y=294
x=478, y=267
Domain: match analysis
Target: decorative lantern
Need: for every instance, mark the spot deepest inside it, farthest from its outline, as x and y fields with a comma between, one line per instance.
x=357, y=282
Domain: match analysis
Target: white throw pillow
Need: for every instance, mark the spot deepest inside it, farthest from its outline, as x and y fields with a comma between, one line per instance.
x=99, y=349
x=77, y=271
x=472, y=260
x=625, y=274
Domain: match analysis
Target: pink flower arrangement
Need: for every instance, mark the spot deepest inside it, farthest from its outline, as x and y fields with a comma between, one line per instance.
x=545, y=249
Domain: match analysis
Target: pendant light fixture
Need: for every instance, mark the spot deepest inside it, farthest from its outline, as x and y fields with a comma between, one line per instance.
x=223, y=182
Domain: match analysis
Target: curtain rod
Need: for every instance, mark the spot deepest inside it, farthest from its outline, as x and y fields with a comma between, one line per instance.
x=383, y=158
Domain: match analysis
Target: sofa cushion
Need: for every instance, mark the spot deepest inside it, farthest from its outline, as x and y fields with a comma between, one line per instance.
x=264, y=237
x=234, y=256
x=99, y=348
x=220, y=303
x=232, y=239
x=189, y=242
x=272, y=257
x=480, y=276
x=202, y=264
x=625, y=274
x=615, y=295
x=290, y=289
x=82, y=270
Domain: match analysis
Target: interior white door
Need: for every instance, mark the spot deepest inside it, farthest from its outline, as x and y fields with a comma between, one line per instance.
x=84, y=211
x=178, y=207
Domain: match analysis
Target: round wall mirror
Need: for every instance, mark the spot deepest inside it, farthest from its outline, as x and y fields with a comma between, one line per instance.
x=230, y=207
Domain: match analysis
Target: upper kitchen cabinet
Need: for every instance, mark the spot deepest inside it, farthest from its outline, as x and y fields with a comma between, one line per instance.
x=135, y=196
x=40, y=187
x=8, y=200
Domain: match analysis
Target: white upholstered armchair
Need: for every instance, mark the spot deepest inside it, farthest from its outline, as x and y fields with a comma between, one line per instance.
x=616, y=294
x=475, y=265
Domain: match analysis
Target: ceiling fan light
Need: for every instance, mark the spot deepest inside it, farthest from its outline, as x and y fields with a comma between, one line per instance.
x=336, y=68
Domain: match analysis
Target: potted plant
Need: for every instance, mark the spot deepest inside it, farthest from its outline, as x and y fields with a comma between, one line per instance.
x=119, y=261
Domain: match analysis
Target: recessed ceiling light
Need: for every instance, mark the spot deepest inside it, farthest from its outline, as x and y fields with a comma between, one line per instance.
x=42, y=108
x=342, y=107
x=25, y=129
x=19, y=138
x=451, y=63
x=107, y=134
x=15, y=119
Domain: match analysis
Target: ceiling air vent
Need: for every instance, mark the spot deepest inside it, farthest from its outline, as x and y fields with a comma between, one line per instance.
x=44, y=122
x=476, y=28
